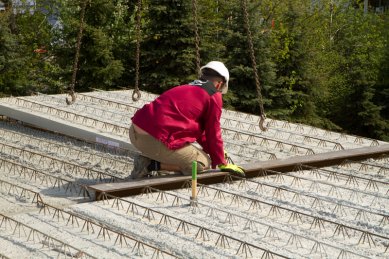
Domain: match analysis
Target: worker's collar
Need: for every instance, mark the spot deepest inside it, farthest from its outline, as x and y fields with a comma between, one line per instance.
x=207, y=85
x=201, y=82
x=198, y=82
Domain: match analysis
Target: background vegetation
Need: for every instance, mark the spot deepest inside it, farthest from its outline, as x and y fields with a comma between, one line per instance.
x=323, y=63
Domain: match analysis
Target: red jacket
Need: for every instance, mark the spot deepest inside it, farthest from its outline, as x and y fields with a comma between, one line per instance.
x=185, y=114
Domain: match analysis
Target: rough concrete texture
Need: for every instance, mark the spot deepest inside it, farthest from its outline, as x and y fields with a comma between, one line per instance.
x=46, y=209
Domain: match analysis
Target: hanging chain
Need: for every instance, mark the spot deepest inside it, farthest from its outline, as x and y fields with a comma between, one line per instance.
x=136, y=93
x=254, y=63
x=77, y=56
x=197, y=37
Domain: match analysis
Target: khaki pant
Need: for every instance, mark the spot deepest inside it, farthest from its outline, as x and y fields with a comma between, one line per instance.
x=183, y=157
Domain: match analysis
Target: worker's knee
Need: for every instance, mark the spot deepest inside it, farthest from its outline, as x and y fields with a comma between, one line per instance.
x=202, y=159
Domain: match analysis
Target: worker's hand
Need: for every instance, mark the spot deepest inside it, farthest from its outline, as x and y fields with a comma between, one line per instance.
x=237, y=170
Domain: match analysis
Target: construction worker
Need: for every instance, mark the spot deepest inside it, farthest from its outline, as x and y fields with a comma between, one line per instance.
x=165, y=129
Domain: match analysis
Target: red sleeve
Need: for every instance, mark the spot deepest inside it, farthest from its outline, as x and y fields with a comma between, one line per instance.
x=211, y=139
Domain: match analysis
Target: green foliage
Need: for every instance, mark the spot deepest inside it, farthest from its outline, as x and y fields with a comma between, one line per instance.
x=98, y=67
x=243, y=91
x=24, y=69
x=288, y=94
x=382, y=87
x=213, y=17
x=297, y=40
x=358, y=50
x=9, y=59
x=323, y=63
x=168, y=50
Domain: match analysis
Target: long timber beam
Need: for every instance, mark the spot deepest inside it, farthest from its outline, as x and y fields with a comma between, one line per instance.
x=135, y=187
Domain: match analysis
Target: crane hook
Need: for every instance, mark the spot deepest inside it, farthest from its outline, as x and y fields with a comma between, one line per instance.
x=73, y=98
x=136, y=95
x=261, y=122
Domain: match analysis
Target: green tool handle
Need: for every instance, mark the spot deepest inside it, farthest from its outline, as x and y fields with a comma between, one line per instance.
x=194, y=179
x=194, y=170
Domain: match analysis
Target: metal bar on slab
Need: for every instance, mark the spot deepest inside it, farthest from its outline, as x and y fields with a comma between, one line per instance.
x=252, y=170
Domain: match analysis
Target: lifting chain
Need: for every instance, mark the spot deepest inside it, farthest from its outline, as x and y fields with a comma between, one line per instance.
x=197, y=38
x=136, y=93
x=254, y=63
x=76, y=57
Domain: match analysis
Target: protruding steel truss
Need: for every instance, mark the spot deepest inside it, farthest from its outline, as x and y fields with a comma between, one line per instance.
x=104, y=232
x=42, y=240
x=265, y=230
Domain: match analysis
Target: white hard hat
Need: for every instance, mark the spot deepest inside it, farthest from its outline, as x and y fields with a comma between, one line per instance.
x=221, y=69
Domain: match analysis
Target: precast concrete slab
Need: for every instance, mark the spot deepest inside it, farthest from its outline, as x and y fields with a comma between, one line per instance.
x=48, y=209
x=105, y=117
x=77, y=131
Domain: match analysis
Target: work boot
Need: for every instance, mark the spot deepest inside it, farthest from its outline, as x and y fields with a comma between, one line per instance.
x=140, y=167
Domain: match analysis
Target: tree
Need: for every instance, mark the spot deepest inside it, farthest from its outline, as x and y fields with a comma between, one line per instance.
x=97, y=66
x=243, y=95
x=297, y=50
x=25, y=55
x=10, y=60
x=357, y=53
x=289, y=94
x=381, y=96
x=167, y=45
x=322, y=63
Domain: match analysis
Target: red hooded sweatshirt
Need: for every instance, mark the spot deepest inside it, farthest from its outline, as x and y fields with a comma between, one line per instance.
x=185, y=114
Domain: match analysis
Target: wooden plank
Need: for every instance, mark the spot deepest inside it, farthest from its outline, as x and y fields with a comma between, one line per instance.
x=252, y=170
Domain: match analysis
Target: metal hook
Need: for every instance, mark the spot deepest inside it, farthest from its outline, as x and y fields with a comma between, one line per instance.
x=73, y=98
x=136, y=95
x=261, y=123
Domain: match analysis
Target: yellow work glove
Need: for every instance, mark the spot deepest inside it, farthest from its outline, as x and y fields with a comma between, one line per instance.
x=237, y=170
